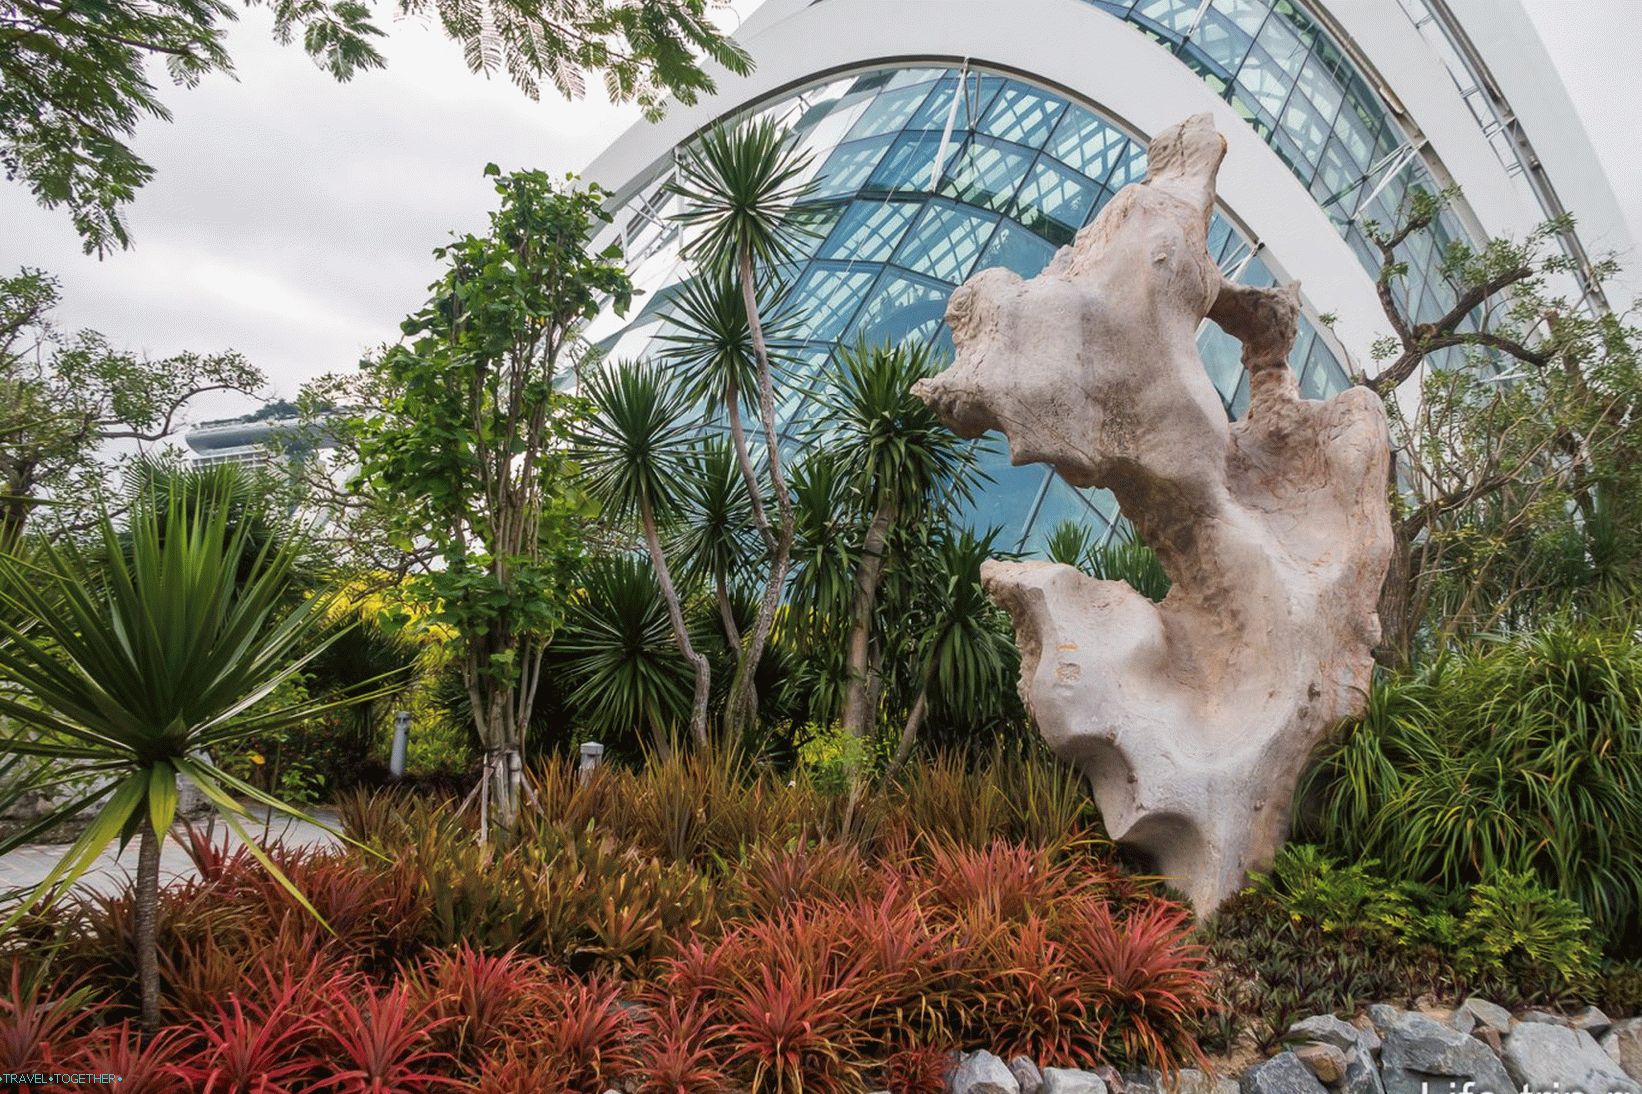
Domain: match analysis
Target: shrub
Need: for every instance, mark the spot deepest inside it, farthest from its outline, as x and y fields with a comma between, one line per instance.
x=1522, y=755
x=1516, y=930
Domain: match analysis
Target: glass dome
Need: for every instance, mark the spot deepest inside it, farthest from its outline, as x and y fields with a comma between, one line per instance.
x=924, y=175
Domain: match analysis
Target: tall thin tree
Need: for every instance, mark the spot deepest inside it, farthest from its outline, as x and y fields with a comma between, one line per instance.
x=739, y=186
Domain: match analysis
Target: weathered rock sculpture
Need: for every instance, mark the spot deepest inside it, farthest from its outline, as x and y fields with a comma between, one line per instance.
x=1192, y=718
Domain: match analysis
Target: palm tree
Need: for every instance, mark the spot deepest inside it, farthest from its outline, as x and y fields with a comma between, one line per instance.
x=965, y=657
x=634, y=449
x=714, y=538
x=617, y=645
x=125, y=664
x=739, y=187
x=901, y=462
x=711, y=348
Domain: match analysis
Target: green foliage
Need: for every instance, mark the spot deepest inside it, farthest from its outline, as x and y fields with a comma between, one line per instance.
x=467, y=463
x=1521, y=755
x=738, y=186
x=1128, y=559
x=64, y=395
x=617, y=648
x=891, y=446
x=1515, y=927
x=1314, y=936
x=136, y=659
x=635, y=445
x=1314, y=887
x=75, y=81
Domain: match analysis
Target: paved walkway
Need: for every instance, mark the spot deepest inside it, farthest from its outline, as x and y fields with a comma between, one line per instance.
x=27, y=866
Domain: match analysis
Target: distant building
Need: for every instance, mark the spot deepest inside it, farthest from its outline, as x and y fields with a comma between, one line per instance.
x=253, y=440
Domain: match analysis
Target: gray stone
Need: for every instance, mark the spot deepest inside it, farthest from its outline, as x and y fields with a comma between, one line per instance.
x=1329, y=1030
x=1026, y=1074
x=1591, y=1020
x=1623, y=1044
x=1190, y=1080
x=1361, y=1077
x=1282, y=1074
x=1115, y=1083
x=1462, y=1020
x=1069, y=1080
x=1543, y=1017
x=983, y=1073
x=1488, y=1015
x=1144, y=1081
x=1423, y=1056
x=1546, y=1057
x=1325, y=1061
x=1383, y=1016
x=1276, y=525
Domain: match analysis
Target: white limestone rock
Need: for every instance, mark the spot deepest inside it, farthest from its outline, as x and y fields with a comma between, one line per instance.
x=1192, y=718
x=983, y=1073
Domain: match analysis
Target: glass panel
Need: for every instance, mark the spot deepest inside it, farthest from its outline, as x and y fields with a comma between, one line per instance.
x=1222, y=359
x=910, y=164
x=1131, y=168
x=1284, y=46
x=870, y=230
x=1054, y=201
x=986, y=173
x=1023, y=115
x=901, y=308
x=1173, y=15
x=946, y=242
x=1085, y=143
x=1264, y=79
x=977, y=91
x=1318, y=85
x=825, y=298
x=1015, y=248
x=1221, y=40
x=889, y=111
x=849, y=165
x=1060, y=503
x=1309, y=129
x=1005, y=502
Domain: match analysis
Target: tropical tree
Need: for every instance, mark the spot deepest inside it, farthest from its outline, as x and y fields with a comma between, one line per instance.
x=634, y=447
x=125, y=664
x=467, y=464
x=74, y=78
x=618, y=648
x=716, y=537
x=964, y=651
x=64, y=396
x=739, y=187
x=1518, y=455
x=900, y=461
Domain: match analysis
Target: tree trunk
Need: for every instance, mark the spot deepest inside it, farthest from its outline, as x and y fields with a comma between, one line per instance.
x=744, y=460
x=681, y=634
x=868, y=573
x=1396, y=606
x=743, y=701
x=147, y=901
x=909, y=732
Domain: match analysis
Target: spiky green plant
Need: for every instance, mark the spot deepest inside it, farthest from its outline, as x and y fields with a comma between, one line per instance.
x=127, y=663
x=634, y=448
x=739, y=186
x=1127, y=559
x=618, y=648
x=901, y=461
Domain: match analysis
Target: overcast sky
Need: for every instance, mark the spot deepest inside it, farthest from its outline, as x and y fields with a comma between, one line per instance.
x=292, y=217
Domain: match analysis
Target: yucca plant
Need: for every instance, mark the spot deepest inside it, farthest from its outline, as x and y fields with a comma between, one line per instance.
x=634, y=449
x=900, y=460
x=739, y=186
x=126, y=664
x=1125, y=558
x=967, y=656
x=618, y=648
